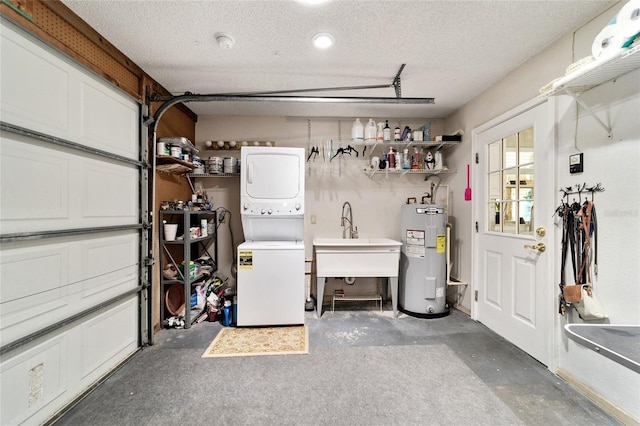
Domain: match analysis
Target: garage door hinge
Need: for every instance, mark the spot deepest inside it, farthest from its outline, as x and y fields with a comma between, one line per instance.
x=477, y=158
x=477, y=227
x=149, y=261
x=475, y=295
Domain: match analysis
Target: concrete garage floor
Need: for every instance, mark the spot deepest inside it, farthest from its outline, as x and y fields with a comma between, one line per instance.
x=363, y=368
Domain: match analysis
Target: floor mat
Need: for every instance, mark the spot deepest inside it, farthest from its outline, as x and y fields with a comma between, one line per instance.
x=259, y=341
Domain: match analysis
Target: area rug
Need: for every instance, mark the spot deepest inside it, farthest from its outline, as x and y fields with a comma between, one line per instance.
x=259, y=341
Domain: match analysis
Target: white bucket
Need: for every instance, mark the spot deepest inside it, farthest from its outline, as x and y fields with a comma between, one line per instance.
x=170, y=230
x=162, y=149
x=176, y=151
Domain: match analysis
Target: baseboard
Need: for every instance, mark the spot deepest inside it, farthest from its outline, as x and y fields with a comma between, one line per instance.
x=617, y=412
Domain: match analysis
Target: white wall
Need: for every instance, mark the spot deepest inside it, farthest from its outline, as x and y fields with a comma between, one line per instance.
x=376, y=201
x=614, y=163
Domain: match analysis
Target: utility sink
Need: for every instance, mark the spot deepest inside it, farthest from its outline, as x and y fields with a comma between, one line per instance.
x=358, y=257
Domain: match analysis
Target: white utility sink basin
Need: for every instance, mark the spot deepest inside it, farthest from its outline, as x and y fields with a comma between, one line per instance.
x=358, y=257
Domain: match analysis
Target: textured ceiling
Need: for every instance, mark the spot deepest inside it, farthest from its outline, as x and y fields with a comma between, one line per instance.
x=454, y=50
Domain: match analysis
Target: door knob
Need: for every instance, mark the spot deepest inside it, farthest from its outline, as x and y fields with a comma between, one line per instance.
x=540, y=247
x=541, y=232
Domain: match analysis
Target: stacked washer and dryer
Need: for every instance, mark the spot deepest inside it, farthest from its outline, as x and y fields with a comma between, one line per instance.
x=271, y=261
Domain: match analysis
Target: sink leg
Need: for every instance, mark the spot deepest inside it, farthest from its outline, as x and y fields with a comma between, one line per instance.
x=320, y=286
x=384, y=284
x=394, y=295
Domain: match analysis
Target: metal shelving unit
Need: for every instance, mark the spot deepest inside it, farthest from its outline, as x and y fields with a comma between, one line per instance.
x=191, y=247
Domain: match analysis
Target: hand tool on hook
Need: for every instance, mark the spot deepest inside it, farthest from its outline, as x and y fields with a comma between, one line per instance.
x=314, y=152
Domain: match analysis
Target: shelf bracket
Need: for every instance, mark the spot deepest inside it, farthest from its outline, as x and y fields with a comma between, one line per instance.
x=607, y=128
x=193, y=190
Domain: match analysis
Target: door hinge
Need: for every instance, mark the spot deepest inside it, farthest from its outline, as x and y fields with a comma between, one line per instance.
x=477, y=158
x=477, y=227
x=475, y=295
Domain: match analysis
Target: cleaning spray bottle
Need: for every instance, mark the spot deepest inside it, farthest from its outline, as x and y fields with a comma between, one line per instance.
x=415, y=160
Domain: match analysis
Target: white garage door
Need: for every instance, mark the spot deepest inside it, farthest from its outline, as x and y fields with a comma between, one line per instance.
x=72, y=204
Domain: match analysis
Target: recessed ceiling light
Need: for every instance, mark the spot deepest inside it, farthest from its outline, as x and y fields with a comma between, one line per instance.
x=311, y=2
x=323, y=40
x=225, y=41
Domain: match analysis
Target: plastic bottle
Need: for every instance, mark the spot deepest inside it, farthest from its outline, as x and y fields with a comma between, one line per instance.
x=406, y=133
x=438, y=158
x=391, y=159
x=370, y=131
x=415, y=160
x=397, y=135
x=226, y=318
x=406, y=163
x=386, y=132
x=380, y=133
x=357, y=130
x=234, y=320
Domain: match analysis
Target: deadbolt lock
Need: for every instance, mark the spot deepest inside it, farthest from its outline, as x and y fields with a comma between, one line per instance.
x=541, y=232
x=540, y=247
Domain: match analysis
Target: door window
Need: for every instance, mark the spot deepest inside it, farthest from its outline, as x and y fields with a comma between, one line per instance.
x=510, y=184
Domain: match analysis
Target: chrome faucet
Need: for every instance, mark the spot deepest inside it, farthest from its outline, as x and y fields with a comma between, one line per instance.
x=353, y=230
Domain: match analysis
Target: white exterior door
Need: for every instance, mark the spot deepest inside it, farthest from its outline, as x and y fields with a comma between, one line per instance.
x=514, y=211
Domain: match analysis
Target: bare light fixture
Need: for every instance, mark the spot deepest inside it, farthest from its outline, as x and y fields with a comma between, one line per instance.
x=323, y=40
x=225, y=41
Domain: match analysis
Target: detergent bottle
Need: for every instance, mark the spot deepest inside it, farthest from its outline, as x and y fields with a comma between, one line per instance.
x=380, y=134
x=370, y=131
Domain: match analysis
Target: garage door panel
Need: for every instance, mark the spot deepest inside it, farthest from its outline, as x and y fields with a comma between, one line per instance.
x=47, y=187
x=71, y=228
x=25, y=294
x=53, y=371
x=22, y=84
x=68, y=104
x=35, y=184
x=101, y=108
x=107, y=266
x=71, y=274
x=108, y=192
x=32, y=380
x=106, y=336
